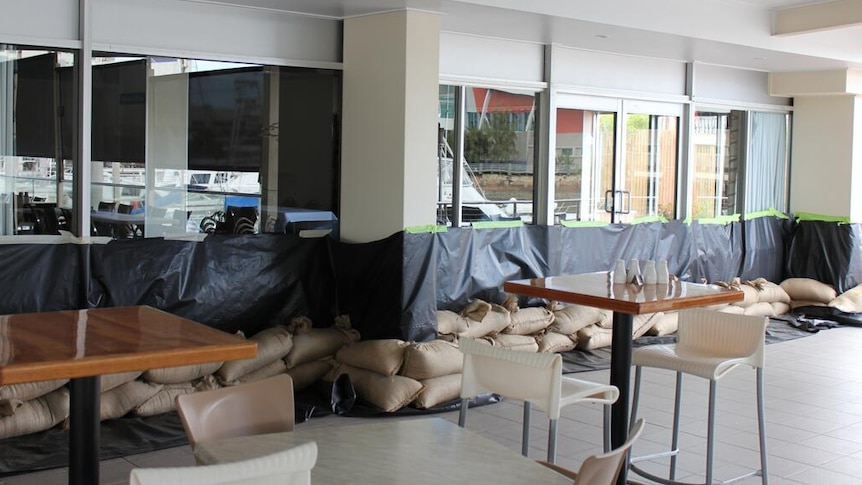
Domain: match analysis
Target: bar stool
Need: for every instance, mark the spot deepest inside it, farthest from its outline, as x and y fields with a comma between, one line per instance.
x=709, y=345
x=535, y=378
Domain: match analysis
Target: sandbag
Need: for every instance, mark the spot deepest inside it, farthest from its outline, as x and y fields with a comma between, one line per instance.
x=596, y=337
x=850, y=301
x=163, y=401
x=476, y=310
x=522, y=343
x=664, y=325
x=389, y=393
x=780, y=308
x=760, y=309
x=181, y=374
x=272, y=344
x=451, y=323
x=118, y=401
x=274, y=368
x=383, y=356
x=769, y=292
x=317, y=344
x=750, y=296
x=555, y=342
x=26, y=391
x=426, y=360
x=9, y=406
x=495, y=321
x=438, y=390
x=112, y=381
x=528, y=321
x=572, y=318
x=37, y=414
x=308, y=373
x=808, y=289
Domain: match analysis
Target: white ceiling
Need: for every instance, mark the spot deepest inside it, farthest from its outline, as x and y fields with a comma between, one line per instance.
x=724, y=32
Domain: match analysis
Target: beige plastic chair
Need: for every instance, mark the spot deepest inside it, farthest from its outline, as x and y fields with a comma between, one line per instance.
x=709, y=345
x=264, y=406
x=289, y=467
x=602, y=469
x=535, y=378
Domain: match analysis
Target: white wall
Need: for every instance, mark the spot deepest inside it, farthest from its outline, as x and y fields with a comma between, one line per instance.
x=734, y=86
x=51, y=23
x=822, y=172
x=605, y=71
x=492, y=59
x=209, y=30
x=389, y=136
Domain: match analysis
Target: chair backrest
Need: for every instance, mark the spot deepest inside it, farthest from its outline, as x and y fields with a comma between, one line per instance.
x=716, y=334
x=264, y=406
x=604, y=469
x=107, y=206
x=528, y=376
x=288, y=467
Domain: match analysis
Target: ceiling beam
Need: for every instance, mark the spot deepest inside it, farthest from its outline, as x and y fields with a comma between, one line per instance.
x=821, y=16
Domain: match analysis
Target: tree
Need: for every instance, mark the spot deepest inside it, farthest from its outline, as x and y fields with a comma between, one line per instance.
x=494, y=142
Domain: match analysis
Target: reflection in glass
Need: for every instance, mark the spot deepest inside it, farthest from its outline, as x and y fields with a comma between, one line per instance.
x=584, y=164
x=649, y=177
x=36, y=131
x=499, y=151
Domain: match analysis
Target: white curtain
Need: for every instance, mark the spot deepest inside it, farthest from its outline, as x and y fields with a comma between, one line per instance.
x=766, y=166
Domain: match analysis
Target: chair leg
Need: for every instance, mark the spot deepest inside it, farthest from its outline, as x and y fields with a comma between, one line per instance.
x=552, y=441
x=674, y=440
x=462, y=416
x=710, y=431
x=606, y=428
x=761, y=425
x=525, y=434
x=635, y=397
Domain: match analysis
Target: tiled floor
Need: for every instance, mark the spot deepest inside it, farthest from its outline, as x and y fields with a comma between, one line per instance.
x=813, y=408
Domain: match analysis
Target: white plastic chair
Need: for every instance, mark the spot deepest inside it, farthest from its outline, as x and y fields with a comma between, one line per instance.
x=602, y=469
x=535, y=378
x=289, y=467
x=709, y=345
x=264, y=406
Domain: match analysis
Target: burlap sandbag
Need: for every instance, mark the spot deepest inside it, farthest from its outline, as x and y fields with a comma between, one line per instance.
x=572, y=318
x=26, y=391
x=735, y=310
x=439, y=390
x=522, y=343
x=389, y=393
x=849, y=301
x=794, y=304
x=772, y=293
x=555, y=342
x=181, y=374
x=664, y=325
x=112, y=381
x=308, y=373
x=118, y=401
x=317, y=344
x=426, y=360
x=383, y=356
x=495, y=321
x=476, y=310
x=607, y=319
x=528, y=321
x=750, y=296
x=450, y=323
x=596, y=337
x=272, y=344
x=37, y=414
x=9, y=406
x=808, y=289
x=274, y=368
x=165, y=400
x=759, y=309
x=780, y=308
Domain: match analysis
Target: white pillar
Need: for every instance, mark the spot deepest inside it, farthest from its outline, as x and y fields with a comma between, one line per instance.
x=389, y=128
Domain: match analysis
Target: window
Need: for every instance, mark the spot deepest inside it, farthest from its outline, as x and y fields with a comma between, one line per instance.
x=37, y=125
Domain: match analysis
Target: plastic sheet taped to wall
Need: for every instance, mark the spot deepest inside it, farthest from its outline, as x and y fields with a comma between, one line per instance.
x=465, y=263
x=42, y=277
x=232, y=282
x=826, y=251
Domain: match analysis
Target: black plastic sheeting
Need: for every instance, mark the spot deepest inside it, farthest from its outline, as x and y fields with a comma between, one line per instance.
x=42, y=277
x=827, y=252
x=462, y=264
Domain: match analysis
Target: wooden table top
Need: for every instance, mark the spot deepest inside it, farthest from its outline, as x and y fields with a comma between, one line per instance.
x=593, y=289
x=388, y=451
x=84, y=343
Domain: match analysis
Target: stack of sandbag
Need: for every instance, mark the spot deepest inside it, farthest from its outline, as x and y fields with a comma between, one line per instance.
x=526, y=327
x=311, y=357
x=123, y=392
x=772, y=299
x=478, y=319
x=373, y=367
x=810, y=292
x=175, y=381
x=273, y=344
x=31, y=407
x=437, y=366
x=562, y=334
x=600, y=334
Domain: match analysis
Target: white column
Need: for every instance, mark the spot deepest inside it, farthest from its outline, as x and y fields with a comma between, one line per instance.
x=389, y=128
